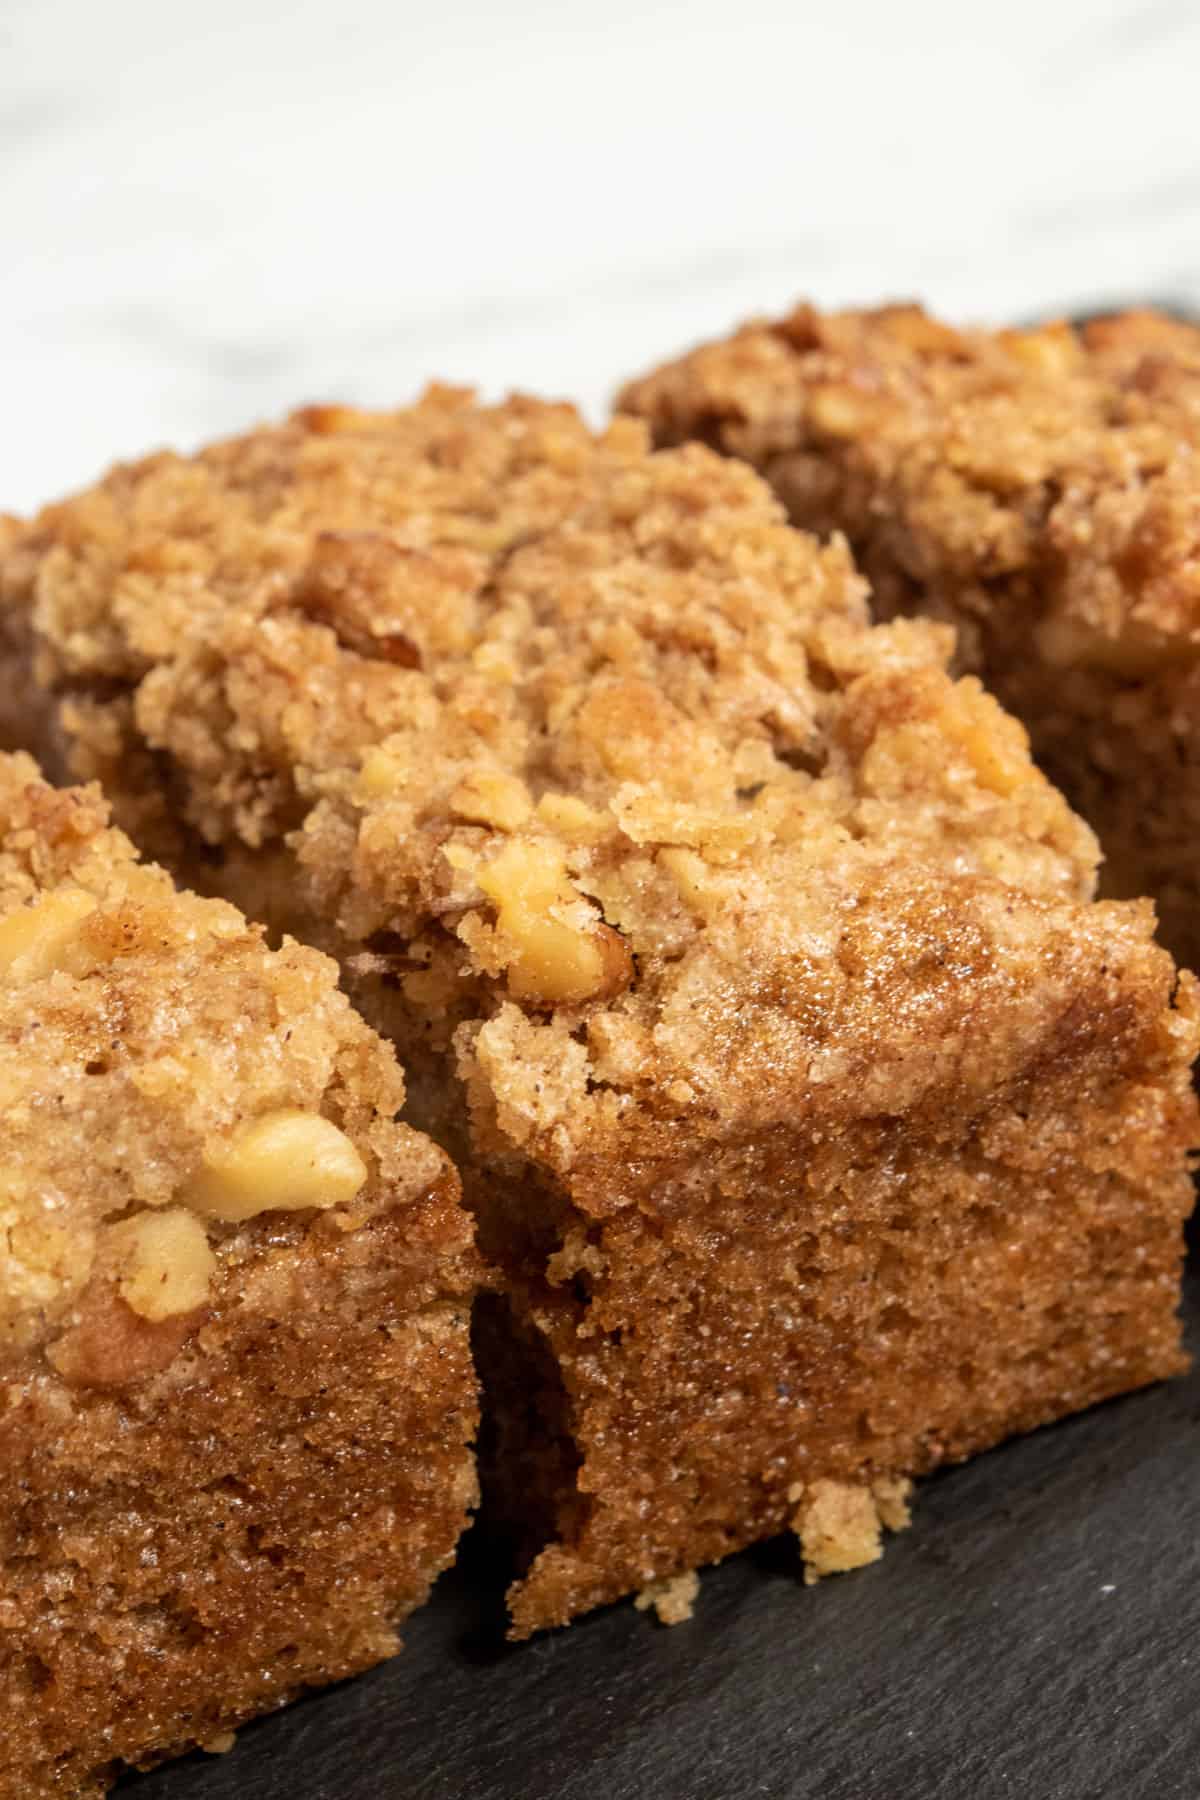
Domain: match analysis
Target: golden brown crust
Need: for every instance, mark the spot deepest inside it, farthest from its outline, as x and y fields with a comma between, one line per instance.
x=820, y=1126
x=183, y=1380
x=1038, y=490
x=675, y=693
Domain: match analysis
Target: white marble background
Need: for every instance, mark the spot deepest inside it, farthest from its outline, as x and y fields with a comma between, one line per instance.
x=212, y=212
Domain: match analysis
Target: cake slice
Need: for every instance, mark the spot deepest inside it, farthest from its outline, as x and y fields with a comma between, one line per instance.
x=1038, y=489
x=819, y=1126
x=236, y=1392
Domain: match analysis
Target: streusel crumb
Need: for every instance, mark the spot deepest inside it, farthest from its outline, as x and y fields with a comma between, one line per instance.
x=673, y=1600
x=840, y=1524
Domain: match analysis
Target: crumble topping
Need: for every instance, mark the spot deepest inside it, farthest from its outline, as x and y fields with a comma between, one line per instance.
x=164, y=1079
x=1065, y=456
x=553, y=729
x=1037, y=490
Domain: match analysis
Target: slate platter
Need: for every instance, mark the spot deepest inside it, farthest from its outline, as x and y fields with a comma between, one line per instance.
x=1034, y=1636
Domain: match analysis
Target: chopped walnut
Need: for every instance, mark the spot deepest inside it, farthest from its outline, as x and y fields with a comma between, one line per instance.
x=557, y=950
x=355, y=583
x=282, y=1162
x=44, y=936
x=165, y=1262
x=490, y=797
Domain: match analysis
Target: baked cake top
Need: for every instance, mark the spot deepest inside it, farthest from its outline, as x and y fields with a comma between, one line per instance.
x=164, y=1079
x=585, y=743
x=1061, y=460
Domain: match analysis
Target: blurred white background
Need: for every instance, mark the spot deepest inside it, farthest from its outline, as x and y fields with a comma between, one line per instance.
x=213, y=213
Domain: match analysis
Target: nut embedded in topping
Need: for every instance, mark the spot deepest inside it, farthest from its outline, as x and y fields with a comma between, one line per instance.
x=836, y=410
x=558, y=951
x=44, y=936
x=384, y=771
x=1051, y=350
x=282, y=1162
x=165, y=1261
x=693, y=877
x=357, y=584
x=490, y=797
x=571, y=818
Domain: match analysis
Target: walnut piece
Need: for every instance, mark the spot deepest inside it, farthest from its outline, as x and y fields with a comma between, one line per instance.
x=557, y=949
x=490, y=797
x=356, y=584
x=44, y=936
x=166, y=1263
x=282, y=1162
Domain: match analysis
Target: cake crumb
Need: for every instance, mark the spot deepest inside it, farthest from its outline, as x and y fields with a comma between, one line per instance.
x=221, y=1744
x=672, y=1598
x=840, y=1524
x=892, y=1494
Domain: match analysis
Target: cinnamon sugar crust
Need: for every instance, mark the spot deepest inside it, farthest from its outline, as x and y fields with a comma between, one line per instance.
x=1038, y=490
x=234, y=1420
x=819, y=1125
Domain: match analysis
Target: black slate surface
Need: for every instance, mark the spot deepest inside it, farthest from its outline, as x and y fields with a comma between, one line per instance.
x=1034, y=1636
